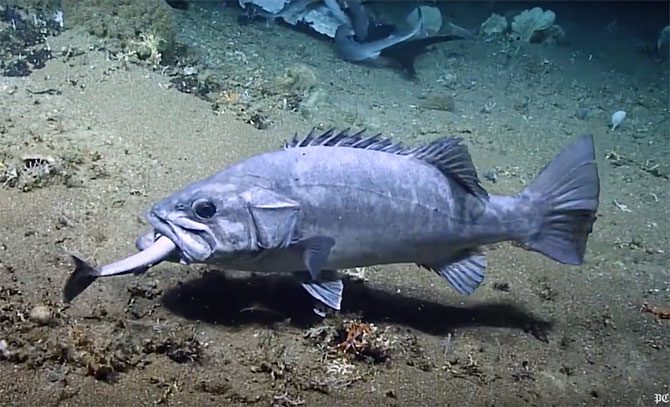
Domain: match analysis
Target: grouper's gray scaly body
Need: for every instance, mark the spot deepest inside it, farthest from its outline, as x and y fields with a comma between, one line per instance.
x=340, y=200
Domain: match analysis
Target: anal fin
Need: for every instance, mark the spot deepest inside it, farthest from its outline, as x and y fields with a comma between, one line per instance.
x=465, y=271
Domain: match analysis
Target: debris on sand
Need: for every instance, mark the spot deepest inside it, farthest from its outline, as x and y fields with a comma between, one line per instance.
x=24, y=47
x=42, y=314
x=353, y=339
x=284, y=400
x=343, y=343
x=299, y=79
x=44, y=336
x=34, y=171
x=658, y=312
x=357, y=273
x=180, y=350
x=275, y=359
x=142, y=301
x=469, y=369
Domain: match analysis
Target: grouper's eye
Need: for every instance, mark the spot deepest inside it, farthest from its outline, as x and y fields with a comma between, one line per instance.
x=204, y=209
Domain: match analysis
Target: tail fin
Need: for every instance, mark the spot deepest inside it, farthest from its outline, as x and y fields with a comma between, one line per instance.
x=405, y=53
x=82, y=276
x=567, y=191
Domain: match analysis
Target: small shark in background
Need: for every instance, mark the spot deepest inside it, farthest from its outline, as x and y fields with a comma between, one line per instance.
x=359, y=38
x=338, y=200
x=366, y=42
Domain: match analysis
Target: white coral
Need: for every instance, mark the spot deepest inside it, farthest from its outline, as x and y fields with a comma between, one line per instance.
x=494, y=25
x=340, y=367
x=536, y=25
x=270, y=6
x=663, y=38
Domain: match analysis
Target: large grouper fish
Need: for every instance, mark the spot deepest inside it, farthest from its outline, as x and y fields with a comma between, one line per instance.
x=337, y=200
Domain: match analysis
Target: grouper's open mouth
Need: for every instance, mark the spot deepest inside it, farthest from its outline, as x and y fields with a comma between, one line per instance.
x=189, y=237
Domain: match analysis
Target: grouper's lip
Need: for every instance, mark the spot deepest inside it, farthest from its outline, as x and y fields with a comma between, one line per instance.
x=167, y=229
x=161, y=227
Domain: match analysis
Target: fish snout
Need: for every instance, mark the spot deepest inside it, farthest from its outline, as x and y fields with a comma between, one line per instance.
x=159, y=211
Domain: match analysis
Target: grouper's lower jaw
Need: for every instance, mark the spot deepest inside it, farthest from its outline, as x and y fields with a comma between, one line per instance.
x=190, y=245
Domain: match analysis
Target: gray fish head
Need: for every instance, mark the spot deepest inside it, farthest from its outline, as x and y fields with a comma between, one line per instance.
x=344, y=33
x=349, y=49
x=207, y=221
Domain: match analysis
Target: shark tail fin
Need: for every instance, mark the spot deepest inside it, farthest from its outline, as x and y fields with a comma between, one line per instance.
x=405, y=53
x=421, y=24
x=83, y=276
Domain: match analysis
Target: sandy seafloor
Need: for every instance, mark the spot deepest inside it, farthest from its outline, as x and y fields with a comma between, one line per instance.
x=122, y=137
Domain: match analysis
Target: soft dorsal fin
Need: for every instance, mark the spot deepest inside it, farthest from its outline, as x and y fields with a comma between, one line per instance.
x=446, y=153
x=453, y=159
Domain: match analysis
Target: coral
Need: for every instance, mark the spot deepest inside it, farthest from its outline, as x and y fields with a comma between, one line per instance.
x=352, y=339
x=432, y=19
x=124, y=20
x=36, y=172
x=147, y=48
x=617, y=118
x=9, y=175
x=663, y=39
x=537, y=26
x=494, y=25
x=298, y=79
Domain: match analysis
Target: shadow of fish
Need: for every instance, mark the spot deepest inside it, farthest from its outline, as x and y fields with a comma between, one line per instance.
x=338, y=200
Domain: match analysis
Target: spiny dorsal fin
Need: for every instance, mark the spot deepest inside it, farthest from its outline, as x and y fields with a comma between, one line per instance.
x=446, y=153
x=334, y=138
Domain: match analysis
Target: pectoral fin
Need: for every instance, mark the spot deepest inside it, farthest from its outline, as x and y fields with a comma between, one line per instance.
x=328, y=292
x=315, y=253
x=465, y=271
